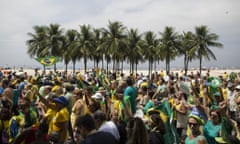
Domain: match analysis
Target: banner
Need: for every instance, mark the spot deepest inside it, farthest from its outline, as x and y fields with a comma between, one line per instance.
x=48, y=61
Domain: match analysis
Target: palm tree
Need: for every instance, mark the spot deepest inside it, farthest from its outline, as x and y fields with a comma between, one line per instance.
x=150, y=49
x=55, y=41
x=115, y=41
x=205, y=40
x=134, y=49
x=97, y=46
x=169, y=45
x=86, y=43
x=68, y=53
x=37, y=44
x=187, y=48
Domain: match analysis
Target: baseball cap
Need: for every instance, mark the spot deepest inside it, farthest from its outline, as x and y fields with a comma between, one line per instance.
x=61, y=99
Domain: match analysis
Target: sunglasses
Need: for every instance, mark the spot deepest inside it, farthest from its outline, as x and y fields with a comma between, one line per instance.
x=192, y=124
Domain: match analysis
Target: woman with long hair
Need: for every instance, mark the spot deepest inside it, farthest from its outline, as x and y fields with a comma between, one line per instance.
x=136, y=131
x=213, y=126
x=157, y=129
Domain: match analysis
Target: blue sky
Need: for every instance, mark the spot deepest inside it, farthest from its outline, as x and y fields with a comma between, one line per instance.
x=19, y=16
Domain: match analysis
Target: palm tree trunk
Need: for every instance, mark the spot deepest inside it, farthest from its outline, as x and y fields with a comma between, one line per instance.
x=85, y=64
x=155, y=66
x=130, y=70
x=107, y=66
x=122, y=67
x=185, y=64
x=136, y=68
x=200, y=69
x=102, y=62
x=44, y=69
x=74, y=63
x=97, y=63
x=113, y=65
x=166, y=67
x=132, y=67
x=149, y=68
x=55, y=67
x=66, y=69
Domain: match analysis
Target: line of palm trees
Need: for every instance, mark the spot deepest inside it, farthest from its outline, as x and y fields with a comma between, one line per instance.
x=118, y=44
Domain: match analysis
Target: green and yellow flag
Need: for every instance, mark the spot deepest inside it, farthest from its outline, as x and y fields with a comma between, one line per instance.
x=214, y=84
x=166, y=114
x=48, y=61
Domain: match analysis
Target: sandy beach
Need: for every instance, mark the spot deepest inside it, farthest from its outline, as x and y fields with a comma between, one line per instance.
x=215, y=72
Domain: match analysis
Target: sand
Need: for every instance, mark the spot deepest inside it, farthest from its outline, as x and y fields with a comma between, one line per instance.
x=215, y=72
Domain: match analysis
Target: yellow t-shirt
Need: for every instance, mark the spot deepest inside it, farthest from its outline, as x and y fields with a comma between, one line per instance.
x=161, y=74
x=49, y=115
x=224, y=92
x=61, y=116
x=57, y=120
x=225, y=76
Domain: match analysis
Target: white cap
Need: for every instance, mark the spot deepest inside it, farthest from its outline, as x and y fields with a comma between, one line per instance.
x=98, y=96
x=144, y=78
x=237, y=87
x=20, y=74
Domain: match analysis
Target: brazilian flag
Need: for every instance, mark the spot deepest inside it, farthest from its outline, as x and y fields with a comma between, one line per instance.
x=82, y=83
x=104, y=81
x=48, y=61
x=214, y=84
x=166, y=114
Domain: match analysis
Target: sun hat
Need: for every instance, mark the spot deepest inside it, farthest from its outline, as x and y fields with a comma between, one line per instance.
x=197, y=116
x=61, y=99
x=237, y=87
x=97, y=96
x=19, y=74
x=101, y=89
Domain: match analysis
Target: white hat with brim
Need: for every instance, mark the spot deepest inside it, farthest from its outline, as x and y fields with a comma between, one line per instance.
x=97, y=96
x=237, y=87
x=19, y=74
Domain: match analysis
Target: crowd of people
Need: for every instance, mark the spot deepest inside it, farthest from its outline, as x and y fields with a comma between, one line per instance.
x=115, y=108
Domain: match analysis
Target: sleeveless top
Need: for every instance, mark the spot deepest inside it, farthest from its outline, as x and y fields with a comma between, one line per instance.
x=211, y=131
x=193, y=141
